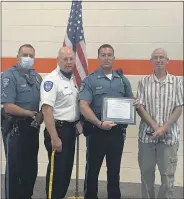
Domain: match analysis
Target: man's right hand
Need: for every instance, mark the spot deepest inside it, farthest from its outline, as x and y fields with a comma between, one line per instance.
x=107, y=125
x=31, y=113
x=56, y=144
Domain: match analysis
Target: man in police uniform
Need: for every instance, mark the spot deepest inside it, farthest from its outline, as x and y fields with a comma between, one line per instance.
x=104, y=138
x=20, y=96
x=59, y=101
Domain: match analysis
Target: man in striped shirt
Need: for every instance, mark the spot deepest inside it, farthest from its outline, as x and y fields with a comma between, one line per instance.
x=161, y=101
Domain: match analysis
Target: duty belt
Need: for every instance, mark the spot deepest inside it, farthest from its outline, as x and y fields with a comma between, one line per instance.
x=60, y=123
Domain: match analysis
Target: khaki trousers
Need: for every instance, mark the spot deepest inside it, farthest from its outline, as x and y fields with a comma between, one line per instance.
x=165, y=156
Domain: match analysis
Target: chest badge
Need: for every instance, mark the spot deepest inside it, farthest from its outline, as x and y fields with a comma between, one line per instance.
x=99, y=87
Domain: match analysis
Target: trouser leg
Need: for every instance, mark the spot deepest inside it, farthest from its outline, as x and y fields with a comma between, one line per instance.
x=12, y=175
x=29, y=143
x=96, y=144
x=63, y=163
x=113, y=160
x=147, y=164
x=167, y=162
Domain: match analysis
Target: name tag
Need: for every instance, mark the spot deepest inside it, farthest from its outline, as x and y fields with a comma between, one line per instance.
x=99, y=87
x=67, y=91
x=23, y=85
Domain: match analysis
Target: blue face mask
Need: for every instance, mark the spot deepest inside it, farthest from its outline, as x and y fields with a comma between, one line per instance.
x=26, y=62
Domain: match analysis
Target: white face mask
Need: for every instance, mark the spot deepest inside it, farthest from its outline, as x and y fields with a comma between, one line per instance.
x=26, y=62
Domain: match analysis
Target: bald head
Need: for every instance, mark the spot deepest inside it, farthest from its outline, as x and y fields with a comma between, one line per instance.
x=65, y=50
x=160, y=51
x=159, y=59
x=66, y=59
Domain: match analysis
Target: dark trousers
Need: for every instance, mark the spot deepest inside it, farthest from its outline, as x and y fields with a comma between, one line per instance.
x=102, y=143
x=21, y=150
x=63, y=161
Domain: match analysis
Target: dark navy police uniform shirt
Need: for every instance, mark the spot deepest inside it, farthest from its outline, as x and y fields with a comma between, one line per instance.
x=15, y=89
x=97, y=86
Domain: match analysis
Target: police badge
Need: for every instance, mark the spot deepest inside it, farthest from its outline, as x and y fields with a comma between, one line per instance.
x=48, y=86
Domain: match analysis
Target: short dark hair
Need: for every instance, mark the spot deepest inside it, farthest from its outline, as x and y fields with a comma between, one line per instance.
x=105, y=46
x=25, y=45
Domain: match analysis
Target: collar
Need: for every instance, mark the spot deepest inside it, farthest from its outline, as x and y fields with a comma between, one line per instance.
x=168, y=78
x=61, y=75
x=23, y=72
x=100, y=74
x=32, y=72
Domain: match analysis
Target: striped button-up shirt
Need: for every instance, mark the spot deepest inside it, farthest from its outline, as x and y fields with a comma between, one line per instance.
x=160, y=98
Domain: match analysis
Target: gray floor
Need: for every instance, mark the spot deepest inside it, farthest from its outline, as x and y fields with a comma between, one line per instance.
x=129, y=190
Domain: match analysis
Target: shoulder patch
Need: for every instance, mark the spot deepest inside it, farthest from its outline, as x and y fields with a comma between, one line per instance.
x=6, y=82
x=4, y=95
x=48, y=86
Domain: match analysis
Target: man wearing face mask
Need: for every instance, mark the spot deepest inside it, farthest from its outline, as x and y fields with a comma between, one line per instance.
x=20, y=97
x=59, y=102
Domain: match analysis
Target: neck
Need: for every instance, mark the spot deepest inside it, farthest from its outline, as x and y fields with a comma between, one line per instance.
x=23, y=70
x=160, y=74
x=107, y=70
x=67, y=75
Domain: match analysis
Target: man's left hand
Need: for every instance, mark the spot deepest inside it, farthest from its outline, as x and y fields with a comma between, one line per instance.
x=159, y=132
x=136, y=102
x=79, y=128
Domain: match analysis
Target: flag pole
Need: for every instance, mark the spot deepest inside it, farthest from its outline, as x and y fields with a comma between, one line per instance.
x=75, y=38
x=77, y=173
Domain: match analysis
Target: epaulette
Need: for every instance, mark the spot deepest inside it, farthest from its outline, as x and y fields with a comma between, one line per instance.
x=38, y=78
x=13, y=68
x=92, y=73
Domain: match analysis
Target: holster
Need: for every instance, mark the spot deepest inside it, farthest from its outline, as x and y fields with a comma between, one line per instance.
x=8, y=124
x=2, y=115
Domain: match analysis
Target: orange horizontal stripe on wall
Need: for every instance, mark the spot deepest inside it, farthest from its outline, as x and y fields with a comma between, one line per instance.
x=130, y=67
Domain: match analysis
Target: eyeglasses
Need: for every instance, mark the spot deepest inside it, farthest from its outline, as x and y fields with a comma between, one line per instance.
x=70, y=59
x=158, y=57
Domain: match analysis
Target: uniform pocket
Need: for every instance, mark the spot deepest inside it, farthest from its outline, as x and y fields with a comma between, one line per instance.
x=121, y=90
x=24, y=94
x=66, y=94
x=98, y=97
x=67, y=91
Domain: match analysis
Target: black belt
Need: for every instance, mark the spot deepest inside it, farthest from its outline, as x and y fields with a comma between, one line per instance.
x=60, y=123
x=114, y=127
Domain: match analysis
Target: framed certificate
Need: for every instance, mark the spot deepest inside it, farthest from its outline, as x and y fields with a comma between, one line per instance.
x=119, y=110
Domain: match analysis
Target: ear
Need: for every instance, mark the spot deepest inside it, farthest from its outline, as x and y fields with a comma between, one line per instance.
x=57, y=58
x=167, y=60
x=18, y=59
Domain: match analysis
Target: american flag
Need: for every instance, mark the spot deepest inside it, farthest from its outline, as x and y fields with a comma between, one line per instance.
x=75, y=38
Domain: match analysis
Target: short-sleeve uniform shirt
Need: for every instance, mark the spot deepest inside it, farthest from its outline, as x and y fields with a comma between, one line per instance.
x=15, y=88
x=60, y=93
x=97, y=86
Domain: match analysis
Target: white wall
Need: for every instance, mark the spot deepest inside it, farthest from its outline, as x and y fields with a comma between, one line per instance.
x=133, y=28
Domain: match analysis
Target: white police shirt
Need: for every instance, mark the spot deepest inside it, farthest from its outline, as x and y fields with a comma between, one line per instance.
x=60, y=93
